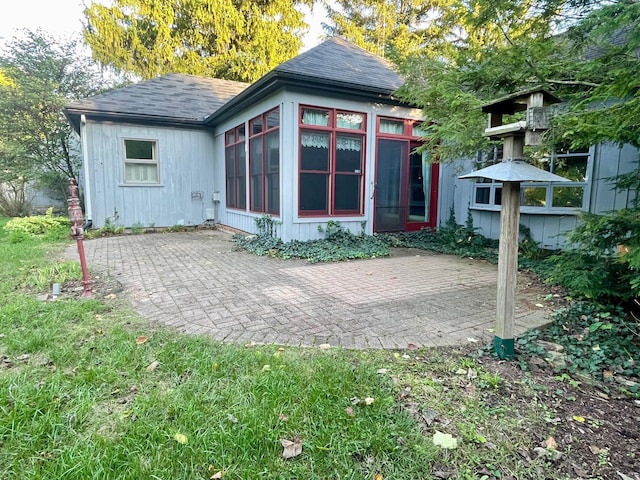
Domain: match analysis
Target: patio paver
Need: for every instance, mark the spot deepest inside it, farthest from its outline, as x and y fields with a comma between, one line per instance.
x=196, y=283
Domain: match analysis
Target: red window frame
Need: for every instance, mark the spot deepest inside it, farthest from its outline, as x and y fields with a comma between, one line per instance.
x=265, y=130
x=235, y=167
x=332, y=172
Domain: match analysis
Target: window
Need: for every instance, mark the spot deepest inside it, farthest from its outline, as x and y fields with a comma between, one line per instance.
x=331, y=161
x=140, y=161
x=264, y=163
x=544, y=196
x=235, y=167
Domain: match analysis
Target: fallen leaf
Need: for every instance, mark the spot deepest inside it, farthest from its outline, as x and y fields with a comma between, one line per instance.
x=368, y=401
x=355, y=400
x=578, y=418
x=550, y=443
x=231, y=418
x=382, y=371
x=596, y=450
x=461, y=371
x=539, y=305
x=472, y=340
x=471, y=374
x=216, y=476
x=266, y=368
x=396, y=355
x=152, y=366
x=180, y=438
x=283, y=418
x=292, y=448
x=378, y=476
x=350, y=411
x=324, y=346
x=141, y=339
x=406, y=357
x=445, y=440
x=411, y=346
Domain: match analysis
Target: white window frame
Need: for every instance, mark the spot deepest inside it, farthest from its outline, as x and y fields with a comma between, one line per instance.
x=548, y=208
x=141, y=161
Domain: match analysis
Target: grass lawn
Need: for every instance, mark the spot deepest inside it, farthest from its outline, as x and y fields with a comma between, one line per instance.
x=90, y=390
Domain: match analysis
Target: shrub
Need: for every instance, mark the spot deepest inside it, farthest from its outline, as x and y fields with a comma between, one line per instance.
x=604, y=261
x=48, y=225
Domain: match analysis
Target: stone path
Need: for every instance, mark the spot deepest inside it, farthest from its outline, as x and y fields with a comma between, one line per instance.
x=196, y=283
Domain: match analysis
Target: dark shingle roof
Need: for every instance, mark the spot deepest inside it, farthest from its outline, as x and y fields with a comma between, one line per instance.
x=175, y=96
x=341, y=61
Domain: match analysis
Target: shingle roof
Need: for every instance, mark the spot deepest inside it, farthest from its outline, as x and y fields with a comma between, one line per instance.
x=172, y=97
x=341, y=61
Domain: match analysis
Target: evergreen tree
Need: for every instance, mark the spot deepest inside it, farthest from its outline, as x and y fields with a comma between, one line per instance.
x=232, y=39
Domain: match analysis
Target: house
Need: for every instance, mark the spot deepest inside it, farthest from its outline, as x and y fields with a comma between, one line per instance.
x=321, y=137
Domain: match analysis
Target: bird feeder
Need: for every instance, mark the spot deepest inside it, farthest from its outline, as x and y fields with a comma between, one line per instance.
x=511, y=171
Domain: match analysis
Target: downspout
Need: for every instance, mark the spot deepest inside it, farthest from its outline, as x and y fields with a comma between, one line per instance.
x=85, y=166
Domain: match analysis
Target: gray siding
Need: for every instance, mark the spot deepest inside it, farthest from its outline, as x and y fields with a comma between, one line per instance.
x=185, y=170
x=546, y=229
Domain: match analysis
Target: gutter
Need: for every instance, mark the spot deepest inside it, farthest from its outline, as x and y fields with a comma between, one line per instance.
x=85, y=166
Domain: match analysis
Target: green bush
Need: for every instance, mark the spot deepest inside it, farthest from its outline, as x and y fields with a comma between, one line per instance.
x=48, y=226
x=604, y=261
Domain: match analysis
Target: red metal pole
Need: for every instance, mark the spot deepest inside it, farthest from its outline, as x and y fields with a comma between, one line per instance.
x=77, y=231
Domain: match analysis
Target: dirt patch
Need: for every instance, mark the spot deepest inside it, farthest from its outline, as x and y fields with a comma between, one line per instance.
x=597, y=430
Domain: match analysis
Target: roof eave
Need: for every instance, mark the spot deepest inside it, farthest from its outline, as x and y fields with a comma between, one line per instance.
x=74, y=114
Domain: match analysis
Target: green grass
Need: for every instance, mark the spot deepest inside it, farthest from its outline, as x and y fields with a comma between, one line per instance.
x=78, y=399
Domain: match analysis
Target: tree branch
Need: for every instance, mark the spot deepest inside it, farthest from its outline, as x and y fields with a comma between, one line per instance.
x=573, y=82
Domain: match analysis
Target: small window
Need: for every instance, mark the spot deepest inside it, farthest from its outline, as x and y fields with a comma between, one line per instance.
x=141, y=161
x=392, y=127
x=351, y=121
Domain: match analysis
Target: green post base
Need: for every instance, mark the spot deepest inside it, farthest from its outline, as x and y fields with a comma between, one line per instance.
x=504, y=347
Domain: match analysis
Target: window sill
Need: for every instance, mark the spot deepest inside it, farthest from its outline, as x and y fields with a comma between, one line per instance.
x=152, y=185
x=325, y=218
x=531, y=210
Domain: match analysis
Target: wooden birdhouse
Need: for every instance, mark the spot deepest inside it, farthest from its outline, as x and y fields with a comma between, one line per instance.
x=536, y=121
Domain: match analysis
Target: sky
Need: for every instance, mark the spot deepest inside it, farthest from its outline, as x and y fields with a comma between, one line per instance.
x=63, y=18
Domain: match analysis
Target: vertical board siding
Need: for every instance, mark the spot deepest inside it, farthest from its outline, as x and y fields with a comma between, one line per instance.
x=185, y=171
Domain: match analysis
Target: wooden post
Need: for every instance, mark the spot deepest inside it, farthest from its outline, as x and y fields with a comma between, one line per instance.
x=513, y=148
x=503, y=342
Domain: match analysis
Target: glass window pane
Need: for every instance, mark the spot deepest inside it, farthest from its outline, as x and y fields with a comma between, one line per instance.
x=255, y=155
x=483, y=195
x=272, y=189
x=568, y=197
x=241, y=167
x=314, y=192
x=229, y=137
x=416, y=130
x=240, y=133
x=534, y=196
x=312, y=116
x=141, y=173
x=255, y=126
x=272, y=144
x=347, y=194
x=349, y=153
x=395, y=127
x=497, y=196
x=273, y=118
x=139, y=149
x=256, y=193
x=314, y=151
x=352, y=121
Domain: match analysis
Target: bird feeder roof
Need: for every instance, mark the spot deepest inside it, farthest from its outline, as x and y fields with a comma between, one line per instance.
x=517, y=102
x=514, y=171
